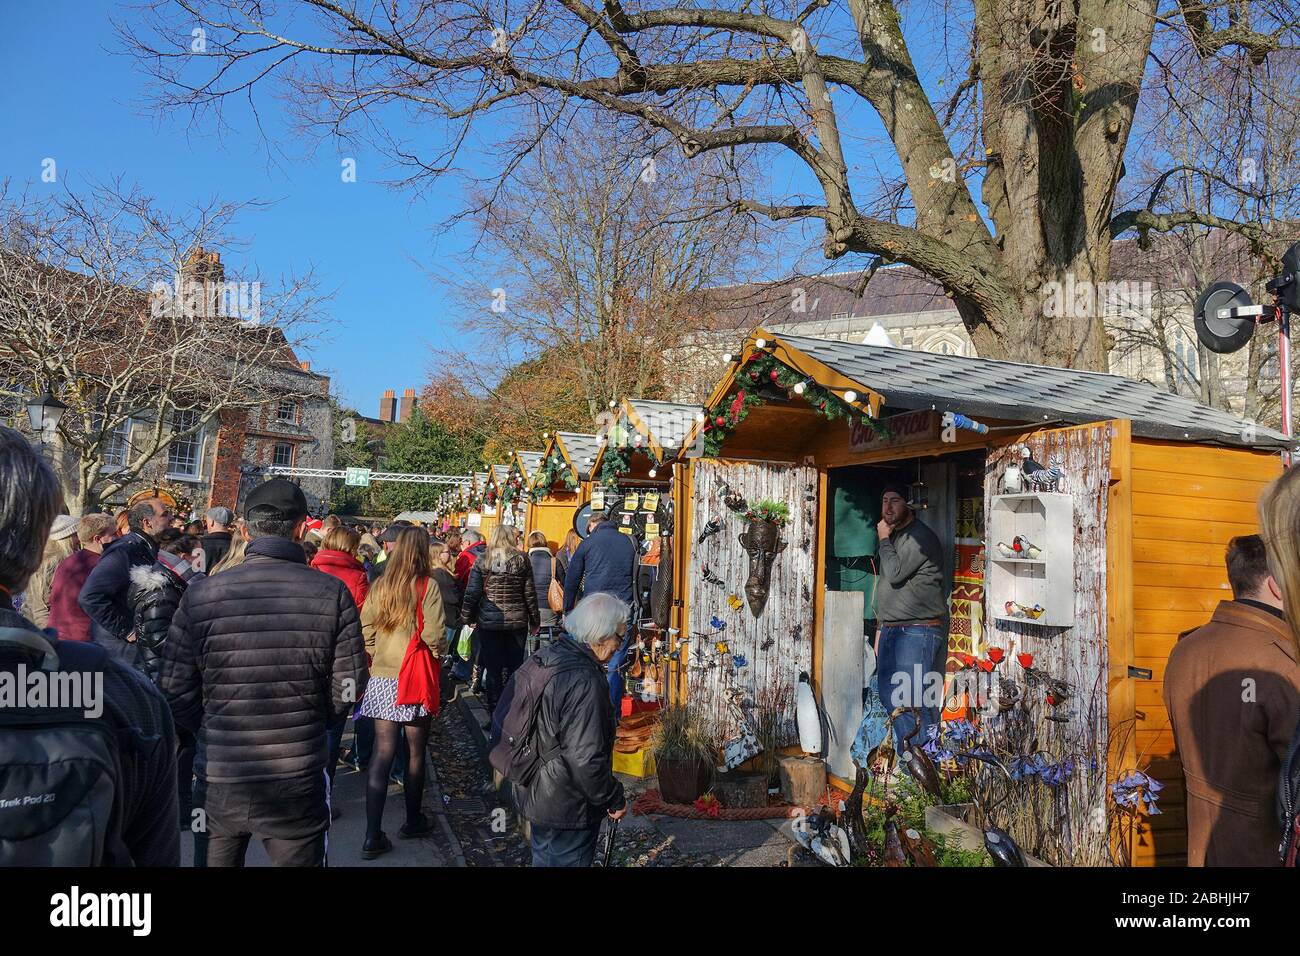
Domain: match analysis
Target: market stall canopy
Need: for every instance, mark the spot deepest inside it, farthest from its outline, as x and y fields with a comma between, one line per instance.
x=579, y=450
x=663, y=425
x=990, y=388
x=423, y=517
x=528, y=462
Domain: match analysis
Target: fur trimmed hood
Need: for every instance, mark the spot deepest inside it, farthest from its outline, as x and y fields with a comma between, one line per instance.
x=148, y=577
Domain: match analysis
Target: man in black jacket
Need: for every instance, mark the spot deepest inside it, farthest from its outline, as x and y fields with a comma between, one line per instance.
x=104, y=596
x=132, y=708
x=575, y=787
x=217, y=541
x=259, y=661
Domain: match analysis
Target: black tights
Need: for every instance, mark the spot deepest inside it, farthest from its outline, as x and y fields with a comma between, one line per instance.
x=387, y=737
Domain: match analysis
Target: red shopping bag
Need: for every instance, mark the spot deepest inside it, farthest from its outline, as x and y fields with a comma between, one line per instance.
x=417, y=681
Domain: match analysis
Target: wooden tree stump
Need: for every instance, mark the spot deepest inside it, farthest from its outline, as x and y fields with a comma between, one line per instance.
x=803, y=780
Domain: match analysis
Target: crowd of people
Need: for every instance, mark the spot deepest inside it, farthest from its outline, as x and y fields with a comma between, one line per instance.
x=236, y=650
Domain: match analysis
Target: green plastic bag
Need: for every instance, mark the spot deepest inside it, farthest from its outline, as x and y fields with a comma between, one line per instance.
x=462, y=645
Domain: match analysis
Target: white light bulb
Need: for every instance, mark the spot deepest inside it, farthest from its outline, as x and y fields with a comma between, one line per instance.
x=653, y=472
x=760, y=343
x=699, y=416
x=850, y=396
x=546, y=435
x=611, y=403
x=727, y=357
x=799, y=388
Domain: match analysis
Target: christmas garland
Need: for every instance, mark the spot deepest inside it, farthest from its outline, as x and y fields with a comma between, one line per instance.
x=553, y=469
x=514, y=485
x=615, y=464
x=760, y=370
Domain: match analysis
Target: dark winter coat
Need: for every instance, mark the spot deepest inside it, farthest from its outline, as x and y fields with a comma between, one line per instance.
x=1288, y=792
x=154, y=595
x=500, y=601
x=215, y=545
x=575, y=784
x=104, y=597
x=259, y=660
x=605, y=561
x=450, y=589
x=541, y=560
x=135, y=710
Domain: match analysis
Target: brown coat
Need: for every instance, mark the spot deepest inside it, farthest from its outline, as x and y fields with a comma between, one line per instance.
x=388, y=648
x=1232, y=688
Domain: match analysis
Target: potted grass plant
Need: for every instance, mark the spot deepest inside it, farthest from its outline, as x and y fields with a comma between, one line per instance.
x=685, y=754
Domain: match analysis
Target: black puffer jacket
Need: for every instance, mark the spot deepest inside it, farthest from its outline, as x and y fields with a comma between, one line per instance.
x=104, y=597
x=575, y=784
x=1288, y=794
x=154, y=595
x=500, y=601
x=259, y=659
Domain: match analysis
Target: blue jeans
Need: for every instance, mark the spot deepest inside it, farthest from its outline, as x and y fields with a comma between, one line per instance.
x=553, y=847
x=909, y=672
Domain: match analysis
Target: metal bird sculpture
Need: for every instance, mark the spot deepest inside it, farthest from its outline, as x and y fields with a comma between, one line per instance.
x=712, y=528
x=712, y=578
x=1038, y=478
x=920, y=768
x=1006, y=550
x=732, y=500
x=918, y=847
x=893, y=845
x=1025, y=548
x=1002, y=848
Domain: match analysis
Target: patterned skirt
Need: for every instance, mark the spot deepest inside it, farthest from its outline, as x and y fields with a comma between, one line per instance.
x=380, y=701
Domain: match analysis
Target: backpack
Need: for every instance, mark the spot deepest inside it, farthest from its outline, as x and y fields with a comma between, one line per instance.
x=514, y=752
x=60, y=777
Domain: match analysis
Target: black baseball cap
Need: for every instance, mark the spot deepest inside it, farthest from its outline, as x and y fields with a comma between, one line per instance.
x=278, y=499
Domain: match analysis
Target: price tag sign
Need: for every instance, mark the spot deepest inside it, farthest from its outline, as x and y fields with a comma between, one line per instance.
x=626, y=531
x=650, y=502
x=597, y=501
x=631, y=502
x=651, y=529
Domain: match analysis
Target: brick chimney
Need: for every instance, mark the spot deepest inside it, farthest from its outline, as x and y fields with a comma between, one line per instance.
x=408, y=404
x=201, y=277
x=388, y=407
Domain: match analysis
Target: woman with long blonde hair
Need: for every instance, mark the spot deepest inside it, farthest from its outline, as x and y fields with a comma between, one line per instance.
x=1279, y=524
x=402, y=603
x=501, y=601
x=238, y=550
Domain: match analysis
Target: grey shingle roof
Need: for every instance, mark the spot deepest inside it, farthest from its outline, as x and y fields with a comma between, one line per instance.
x=530, y=461
x=668, y=422
x=994, y=389
x=579, y=448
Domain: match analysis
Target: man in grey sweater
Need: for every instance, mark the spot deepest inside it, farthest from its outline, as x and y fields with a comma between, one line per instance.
x=912, y=605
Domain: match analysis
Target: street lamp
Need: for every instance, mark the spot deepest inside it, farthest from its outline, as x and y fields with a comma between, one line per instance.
x=44, y=413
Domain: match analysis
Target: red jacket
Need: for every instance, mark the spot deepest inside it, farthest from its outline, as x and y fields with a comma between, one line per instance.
x=66, y=615
x=465, y=563
x=341, y=565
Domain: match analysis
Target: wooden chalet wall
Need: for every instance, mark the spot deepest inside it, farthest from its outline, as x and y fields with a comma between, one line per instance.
x=1188, y=501
x=1061, y=824
x=778, y=644
x=553, y=516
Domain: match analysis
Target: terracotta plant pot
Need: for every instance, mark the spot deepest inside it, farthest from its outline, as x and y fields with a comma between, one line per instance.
x=681, y=781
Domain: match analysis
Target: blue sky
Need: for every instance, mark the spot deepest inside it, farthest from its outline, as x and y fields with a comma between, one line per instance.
x=365, y=240
x=66, y=92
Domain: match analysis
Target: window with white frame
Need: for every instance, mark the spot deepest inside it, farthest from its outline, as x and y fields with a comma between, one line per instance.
x=117, y=445
x=184, y=453
x=282, y=456
x=287, y=412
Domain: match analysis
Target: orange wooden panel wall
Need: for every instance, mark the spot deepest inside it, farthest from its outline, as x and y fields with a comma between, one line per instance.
x=1188, y=500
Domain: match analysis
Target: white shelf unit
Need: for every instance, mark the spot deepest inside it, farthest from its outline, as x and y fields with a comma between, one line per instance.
x=1047, y=521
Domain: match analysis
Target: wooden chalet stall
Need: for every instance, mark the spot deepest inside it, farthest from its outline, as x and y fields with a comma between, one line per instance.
x=490, y=494
x=1128, y=551
x=561, y=484
x=515, y=488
